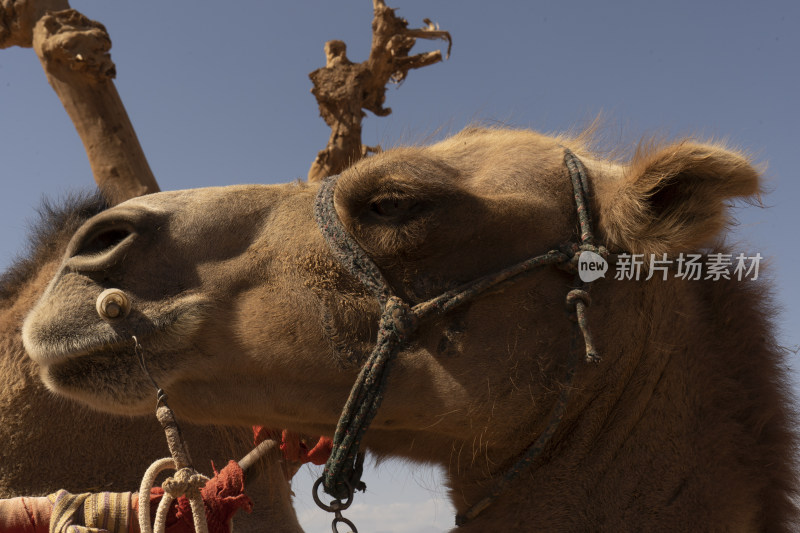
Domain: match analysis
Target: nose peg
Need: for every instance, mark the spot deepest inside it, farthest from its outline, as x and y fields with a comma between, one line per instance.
x=113, y=304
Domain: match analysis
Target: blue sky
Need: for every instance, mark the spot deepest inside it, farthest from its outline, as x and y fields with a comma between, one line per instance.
x=220, y=95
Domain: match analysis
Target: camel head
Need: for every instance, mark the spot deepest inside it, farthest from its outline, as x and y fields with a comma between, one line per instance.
x=241, y=308
x=246, y=316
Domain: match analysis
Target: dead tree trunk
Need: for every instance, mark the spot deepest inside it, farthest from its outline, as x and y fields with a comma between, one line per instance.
x=343, y=88
x=74, y=53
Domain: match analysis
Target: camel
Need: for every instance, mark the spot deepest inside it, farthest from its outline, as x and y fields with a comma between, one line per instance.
x=50, y=443
x=679, y=419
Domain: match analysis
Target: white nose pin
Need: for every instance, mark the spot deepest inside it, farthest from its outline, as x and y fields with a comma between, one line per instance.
x=113, y=304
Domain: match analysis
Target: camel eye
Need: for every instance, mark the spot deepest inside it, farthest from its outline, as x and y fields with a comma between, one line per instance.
x=393, y=207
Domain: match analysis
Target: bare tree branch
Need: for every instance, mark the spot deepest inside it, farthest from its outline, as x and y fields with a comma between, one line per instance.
x=343, y=89
x=74, y=52
x=18, y=17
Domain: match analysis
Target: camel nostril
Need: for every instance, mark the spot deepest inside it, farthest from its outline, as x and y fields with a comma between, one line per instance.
x=100, y=244
x=103, y=241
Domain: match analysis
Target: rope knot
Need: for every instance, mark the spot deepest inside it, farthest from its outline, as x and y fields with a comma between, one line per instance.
x=399, y=317
x=574, y=250
x=185, y=481
x=577, y=301
x=577, y=295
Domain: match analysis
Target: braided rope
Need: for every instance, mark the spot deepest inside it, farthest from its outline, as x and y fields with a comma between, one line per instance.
x=398, y=321
x=346, y=250
x=342, y=470
x=452, y=298
x=580, y=188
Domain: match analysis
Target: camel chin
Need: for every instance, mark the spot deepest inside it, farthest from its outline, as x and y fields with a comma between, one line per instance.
x=70, y=379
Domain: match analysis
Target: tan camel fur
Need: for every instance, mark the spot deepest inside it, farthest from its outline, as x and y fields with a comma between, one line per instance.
x=685, y=424
x=49, y=442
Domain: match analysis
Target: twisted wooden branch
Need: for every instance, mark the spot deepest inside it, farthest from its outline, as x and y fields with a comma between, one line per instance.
x=73, y=51
x=343, y=89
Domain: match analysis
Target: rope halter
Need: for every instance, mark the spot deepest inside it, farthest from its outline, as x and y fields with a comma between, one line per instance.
x=186, y=480
x=399, y=321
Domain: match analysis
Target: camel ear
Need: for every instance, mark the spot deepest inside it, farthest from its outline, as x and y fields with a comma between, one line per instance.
x=675, y=198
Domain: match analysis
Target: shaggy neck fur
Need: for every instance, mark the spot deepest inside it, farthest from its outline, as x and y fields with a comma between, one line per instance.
x=658, y=433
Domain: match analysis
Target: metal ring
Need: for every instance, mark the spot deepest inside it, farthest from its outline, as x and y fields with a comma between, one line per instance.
x=342, y=520
x=336, y=505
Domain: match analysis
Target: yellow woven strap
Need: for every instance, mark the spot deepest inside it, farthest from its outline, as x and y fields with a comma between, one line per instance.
x=106, y=512
x=66, y=517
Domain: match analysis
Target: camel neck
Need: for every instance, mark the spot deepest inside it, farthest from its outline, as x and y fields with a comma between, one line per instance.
x=661, y=425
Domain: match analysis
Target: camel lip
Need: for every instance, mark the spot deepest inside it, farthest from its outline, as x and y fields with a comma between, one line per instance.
x=47, y=354
x=49, y=345
x=76, y=378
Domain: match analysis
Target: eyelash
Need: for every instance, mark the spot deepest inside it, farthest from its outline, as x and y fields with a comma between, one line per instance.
x=392, y=206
